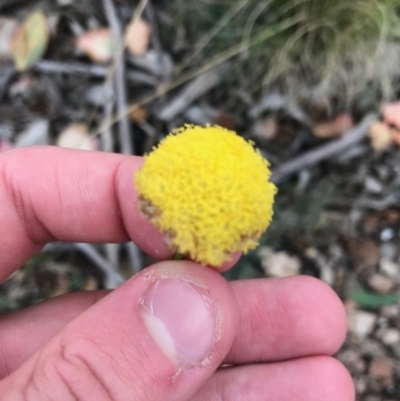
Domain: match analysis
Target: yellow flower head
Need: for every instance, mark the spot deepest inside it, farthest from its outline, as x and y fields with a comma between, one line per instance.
x=208, y=191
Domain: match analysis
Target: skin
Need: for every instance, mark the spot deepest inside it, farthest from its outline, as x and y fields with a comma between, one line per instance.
x=277, y=335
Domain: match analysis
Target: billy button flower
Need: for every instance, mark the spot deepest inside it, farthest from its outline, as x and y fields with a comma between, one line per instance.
x=208, y=191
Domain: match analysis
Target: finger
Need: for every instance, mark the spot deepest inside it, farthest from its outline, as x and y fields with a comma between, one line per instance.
x=159, y=336
x=49, y=193
x=308, y=379
x=41, y=322
x=286, y=318
x=279, y=319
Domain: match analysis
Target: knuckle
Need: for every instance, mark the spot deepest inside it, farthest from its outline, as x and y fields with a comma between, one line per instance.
x=74, y=371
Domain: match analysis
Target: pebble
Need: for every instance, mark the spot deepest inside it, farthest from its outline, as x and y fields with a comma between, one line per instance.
x=380, y=283
x=360, y=322
x=390, y=336
x=373, y=186
x=279, y=264
x=381, y=368
x=389, y=268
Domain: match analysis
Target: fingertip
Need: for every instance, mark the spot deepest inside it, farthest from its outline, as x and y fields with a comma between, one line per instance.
x=330, y=310
x=334, y=376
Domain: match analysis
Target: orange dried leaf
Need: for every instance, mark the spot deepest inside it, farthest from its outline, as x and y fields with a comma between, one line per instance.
x=30, y=41
x=139, y=114
x=137, y=37
x=98, y=45
x=380, y=135
x=335, y=128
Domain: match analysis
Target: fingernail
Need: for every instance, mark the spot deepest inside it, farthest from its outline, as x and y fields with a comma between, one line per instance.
x=181, y=318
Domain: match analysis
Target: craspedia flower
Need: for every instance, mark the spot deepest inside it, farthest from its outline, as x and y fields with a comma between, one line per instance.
x=208, y=191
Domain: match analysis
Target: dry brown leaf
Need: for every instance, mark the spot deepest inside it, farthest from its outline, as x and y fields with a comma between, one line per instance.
x=76, y=136
x=266, y=129
x=30, y=41
x=139, y=114
x=391, y=114
x=225, y=120
x=335, y=128
x=98, y=45
x=137, y=37
x=381, y=136
x=365, y=252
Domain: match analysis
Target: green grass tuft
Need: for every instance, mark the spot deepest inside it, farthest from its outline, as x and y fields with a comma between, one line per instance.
x=336, y=46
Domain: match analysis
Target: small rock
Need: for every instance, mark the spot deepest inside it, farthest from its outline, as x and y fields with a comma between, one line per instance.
x=380, y=283
x=389, y=250
x=387, y=234
x=353, y=361
x=76, y=136
x=361, y=385
x=390, y=311
x=360, y=322
x=36, y=134
x=373, y=349
x=373, y=186
x=388, y=267
x=390, y=336
x=381, y=368
x=279, y=264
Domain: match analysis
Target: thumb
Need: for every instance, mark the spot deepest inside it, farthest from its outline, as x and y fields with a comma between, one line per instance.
x=156, y=338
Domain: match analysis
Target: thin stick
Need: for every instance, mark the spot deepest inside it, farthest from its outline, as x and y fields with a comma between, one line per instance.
x=91, y=70
x=112, y=279
x=201, y=85
x=120, y=87
x=135, y=257
x=217, y=60
x=333, y=148
x=50, y=66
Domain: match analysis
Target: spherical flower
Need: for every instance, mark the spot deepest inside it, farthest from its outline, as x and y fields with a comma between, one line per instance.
x=208, y=191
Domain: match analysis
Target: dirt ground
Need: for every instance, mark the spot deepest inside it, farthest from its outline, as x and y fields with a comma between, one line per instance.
x=337, y=213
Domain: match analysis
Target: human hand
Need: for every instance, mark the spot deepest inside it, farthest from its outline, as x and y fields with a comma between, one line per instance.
x=162, y=335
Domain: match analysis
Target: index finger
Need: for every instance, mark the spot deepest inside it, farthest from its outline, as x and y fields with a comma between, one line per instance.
x=49, y=194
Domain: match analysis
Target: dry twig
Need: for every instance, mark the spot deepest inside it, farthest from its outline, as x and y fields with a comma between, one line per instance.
x=333, y=148
x=123, y=124
x=193, y=91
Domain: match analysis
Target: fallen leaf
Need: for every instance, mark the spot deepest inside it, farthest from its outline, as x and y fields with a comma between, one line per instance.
x=391, y=114
x=98, y=45
x=364, y=252
x=266, y=129
x=335, y=128
x=30, y=41
x=139, y=114
x=225, y=120
x=8, y=28
x=76, y=136
x=381, y=136
x=373, y=300
x=137, y=36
